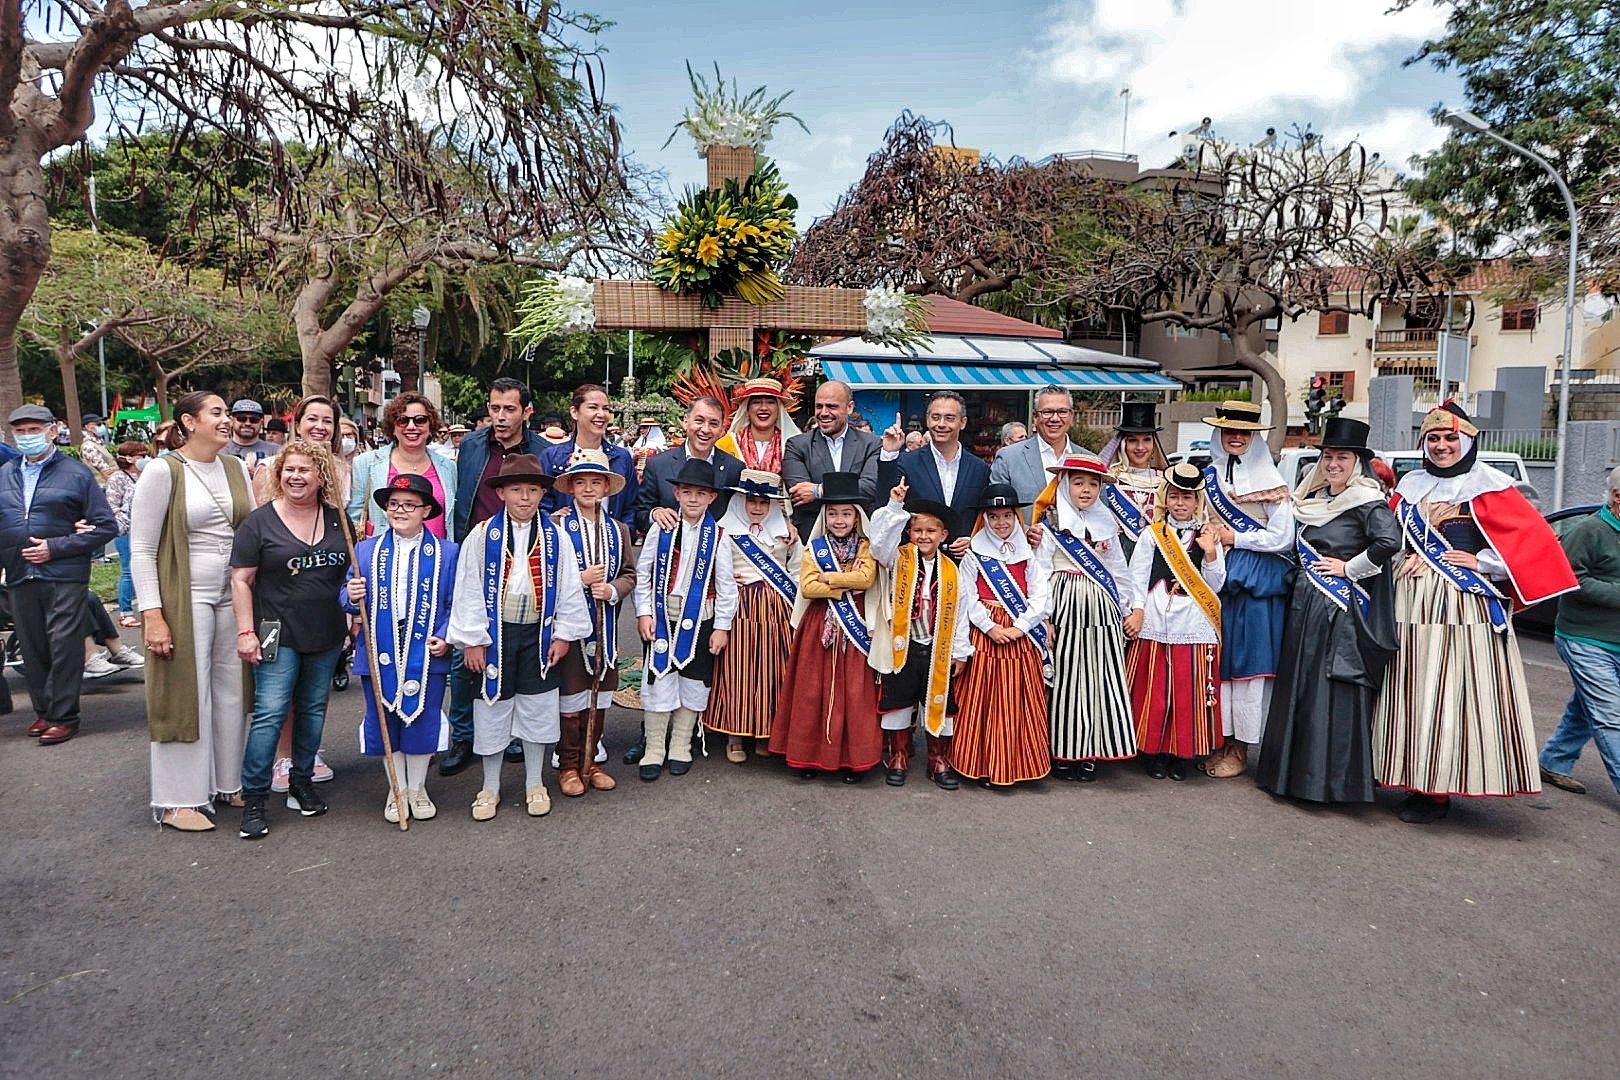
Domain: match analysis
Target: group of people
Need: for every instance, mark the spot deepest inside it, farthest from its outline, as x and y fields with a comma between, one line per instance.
x=816, y=596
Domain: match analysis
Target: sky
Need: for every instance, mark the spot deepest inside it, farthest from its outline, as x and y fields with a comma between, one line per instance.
x=1025, y=78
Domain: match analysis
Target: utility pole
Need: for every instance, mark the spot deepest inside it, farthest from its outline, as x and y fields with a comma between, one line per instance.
x=101, y=342
x=1125, y=126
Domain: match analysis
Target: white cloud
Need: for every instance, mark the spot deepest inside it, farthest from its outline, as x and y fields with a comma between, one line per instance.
x=1396, y=134
x=1248, y=64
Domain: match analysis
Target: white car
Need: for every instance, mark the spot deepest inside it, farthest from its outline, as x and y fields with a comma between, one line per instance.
x=1404, y=461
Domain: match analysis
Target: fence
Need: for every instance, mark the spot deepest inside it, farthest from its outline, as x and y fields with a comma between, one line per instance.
x=1532, y=444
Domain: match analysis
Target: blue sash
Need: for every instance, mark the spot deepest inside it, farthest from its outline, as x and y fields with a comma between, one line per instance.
x=1229, y=511
x=1087, y=560
x=1127, y=513
x=603, y=629
x=1005, y=586
x=1340, y=590
x=843, y=608
x=666, y=654
x=497, y=569
x=775, y=575
x=1430, y=545
x=402, y=658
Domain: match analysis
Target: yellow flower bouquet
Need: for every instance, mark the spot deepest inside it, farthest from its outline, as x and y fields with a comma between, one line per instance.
x=729, y=241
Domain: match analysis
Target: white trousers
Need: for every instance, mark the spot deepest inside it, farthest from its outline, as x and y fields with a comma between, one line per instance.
x=530, y=717
x=1243, y=708
x=673, y=691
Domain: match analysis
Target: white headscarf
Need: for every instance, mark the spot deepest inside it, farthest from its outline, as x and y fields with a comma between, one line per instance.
x=1095, y=519
x=735, y=521
x=1309, y=511
x=987, y=545
x=1253, y=472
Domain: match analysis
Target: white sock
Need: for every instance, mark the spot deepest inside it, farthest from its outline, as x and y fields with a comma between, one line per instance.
x=534, y=763
x=399, y=771
x=416, y=771
x=492, y=772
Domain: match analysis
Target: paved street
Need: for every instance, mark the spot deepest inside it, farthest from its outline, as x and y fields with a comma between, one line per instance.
x=742, y=922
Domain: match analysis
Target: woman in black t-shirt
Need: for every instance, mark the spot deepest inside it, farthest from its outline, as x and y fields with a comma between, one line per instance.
x=287, y=565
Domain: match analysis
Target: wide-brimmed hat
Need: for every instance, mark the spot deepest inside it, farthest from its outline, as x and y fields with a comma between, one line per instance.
x=760, y=484
x=1343, y=433
x=841, y=488
x=761, y=387
x=1000, y=497
x=1185, y=476
x=1083, y=463
x=589, y=463
x=934, y=509
x=695, y=473
x=411, y=483
x=1137, y=418
x=1237, y=416
x=457, y=429
x=520, y=469
x=554, y=434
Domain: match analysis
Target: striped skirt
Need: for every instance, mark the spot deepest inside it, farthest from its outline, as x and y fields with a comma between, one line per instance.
x=748, y=675
x=1454, y=715
x=1175, y=697
x=1001, y=731
x=1090, y=710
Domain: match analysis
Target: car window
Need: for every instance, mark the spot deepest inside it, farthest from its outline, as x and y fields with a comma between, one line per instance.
x=1404, y=465
x=1509, y=466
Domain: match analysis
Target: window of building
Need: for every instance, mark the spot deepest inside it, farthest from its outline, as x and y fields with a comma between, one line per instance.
x=1520, y=315
x=1340, y=384
x=1333, y=323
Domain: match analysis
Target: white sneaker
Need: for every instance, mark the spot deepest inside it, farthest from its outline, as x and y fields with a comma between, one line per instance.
x=98, y=666
x=126, y=657
x=601, y=752
x=390, y=811
x=280, y=774
x=322, y=771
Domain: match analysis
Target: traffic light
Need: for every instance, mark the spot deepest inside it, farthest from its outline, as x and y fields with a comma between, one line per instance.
x=1315, y=402
x=1336, y=406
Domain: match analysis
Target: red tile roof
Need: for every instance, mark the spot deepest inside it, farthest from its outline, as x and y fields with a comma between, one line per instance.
x=1486, y=274
x=947, y=316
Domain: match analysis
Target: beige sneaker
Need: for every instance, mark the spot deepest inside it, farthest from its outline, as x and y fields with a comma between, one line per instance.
x=484, y=805
x=390, y=811
x=185, y=819
x=421, y=806
x=539, y=802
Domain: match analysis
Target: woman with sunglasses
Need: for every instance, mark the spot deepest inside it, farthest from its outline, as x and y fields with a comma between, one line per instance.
x=408, y=422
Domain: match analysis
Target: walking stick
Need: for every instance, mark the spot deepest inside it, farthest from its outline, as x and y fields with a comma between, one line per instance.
x=376, y=699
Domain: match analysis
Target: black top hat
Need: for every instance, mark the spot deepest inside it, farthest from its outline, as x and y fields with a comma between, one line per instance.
x=1137, y=418
x=945, y=514
x=1343, y=433
x=695, y=473
x=999, y=496
x=841, y=488
x=413, y=484
x=519, y=469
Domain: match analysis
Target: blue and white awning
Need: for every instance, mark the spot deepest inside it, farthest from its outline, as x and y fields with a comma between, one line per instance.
x=974, y=362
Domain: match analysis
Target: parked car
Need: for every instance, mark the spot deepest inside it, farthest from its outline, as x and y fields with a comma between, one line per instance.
x=1404, y=461
x=1541, y=618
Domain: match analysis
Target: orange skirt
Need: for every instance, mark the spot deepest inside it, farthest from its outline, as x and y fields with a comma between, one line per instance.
x=748, y=675
x=1001, y=730
x=1175, y=697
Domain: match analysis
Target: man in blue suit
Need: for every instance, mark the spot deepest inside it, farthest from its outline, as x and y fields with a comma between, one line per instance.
x=943, y=471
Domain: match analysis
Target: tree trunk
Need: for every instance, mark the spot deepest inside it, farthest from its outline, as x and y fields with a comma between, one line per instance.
x=1276, y=390
x=160, y=387
x=68, y=362
x=25, y=250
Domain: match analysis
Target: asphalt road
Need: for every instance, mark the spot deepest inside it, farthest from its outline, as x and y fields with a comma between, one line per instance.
x=742, y=922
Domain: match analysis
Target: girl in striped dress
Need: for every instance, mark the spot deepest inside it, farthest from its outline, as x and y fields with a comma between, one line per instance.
x=1001, y=737
x=1089, y=714
x=764, y=560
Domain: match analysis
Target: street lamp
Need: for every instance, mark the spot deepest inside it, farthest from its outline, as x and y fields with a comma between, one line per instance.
x=421, y=317
x=1466, y=123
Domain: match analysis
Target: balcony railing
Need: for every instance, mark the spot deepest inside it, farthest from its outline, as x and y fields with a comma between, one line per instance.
x=1411, y=340
x=1588, y=376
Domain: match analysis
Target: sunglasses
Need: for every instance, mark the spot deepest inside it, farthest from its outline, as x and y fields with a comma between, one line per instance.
x=414, y=420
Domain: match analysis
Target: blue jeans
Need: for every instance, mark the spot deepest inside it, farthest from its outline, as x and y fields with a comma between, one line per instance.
x=303, y=681
x=126, y=583
x=462, y=689
x=1593, y=712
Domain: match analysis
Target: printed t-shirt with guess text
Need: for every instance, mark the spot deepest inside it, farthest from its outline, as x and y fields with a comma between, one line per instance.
x=297, y=582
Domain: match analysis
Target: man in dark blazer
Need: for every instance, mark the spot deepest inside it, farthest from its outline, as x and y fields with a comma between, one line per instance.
x=832, y=445
x=705, y=422
x=944, y=471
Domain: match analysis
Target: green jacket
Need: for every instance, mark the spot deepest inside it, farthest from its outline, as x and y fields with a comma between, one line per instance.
x=1593, y=548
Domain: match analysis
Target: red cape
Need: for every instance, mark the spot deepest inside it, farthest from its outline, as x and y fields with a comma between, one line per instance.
x=1537, y=567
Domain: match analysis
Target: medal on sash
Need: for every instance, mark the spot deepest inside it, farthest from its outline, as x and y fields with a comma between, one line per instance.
x=1431, y=546
x=1230, y=512
x=604, y=627
x=497, y=569
x=843, y=608
x=1005, y=586
x=402, y=655
x=668, y=654
x=775, y=575
x=1340, y=590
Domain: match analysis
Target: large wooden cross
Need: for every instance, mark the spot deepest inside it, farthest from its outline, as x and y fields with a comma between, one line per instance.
x=642, y=305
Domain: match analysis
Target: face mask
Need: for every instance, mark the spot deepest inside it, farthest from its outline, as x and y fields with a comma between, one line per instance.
x=33, y=445
x=140, y=463
x=348, y=445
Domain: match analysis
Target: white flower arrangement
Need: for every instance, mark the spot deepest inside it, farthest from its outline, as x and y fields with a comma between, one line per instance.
x=555, y=304
x=896, y=317
x=721, y=116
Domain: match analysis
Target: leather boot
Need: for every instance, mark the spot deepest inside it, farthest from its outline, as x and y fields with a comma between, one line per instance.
x=896, y=756
x=939, y=769
x=570, y=745
x=592, y=773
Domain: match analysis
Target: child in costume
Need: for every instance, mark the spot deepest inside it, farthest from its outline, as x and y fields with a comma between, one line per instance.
x=1001, y=734
x=928, y=632
x=406, y=576
x=1092, y=594
x=686, y=599
x=827, y=712
x=1173, y=663
x=518, y=605
x=601, y=550
x=765, y=555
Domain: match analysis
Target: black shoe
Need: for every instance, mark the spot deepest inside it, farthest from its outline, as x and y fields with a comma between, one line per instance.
x=809, y=774
x=896, y=778
x=1085, y=771
x=1154, y=765
x=946, y=780
x=632, y=753
x=679, y=768
x=1176, y=769
x=453, y=760
x=302, y=798
x=514, y=752
x=254, y=826
x=650, y=773
x=852, y=777
x=340, y=679
x=1421, y=809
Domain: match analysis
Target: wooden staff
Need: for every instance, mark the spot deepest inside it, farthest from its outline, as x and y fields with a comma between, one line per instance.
x=593, y=714
x=376, y=699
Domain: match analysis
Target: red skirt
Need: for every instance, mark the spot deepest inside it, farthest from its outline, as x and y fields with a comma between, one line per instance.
x=1001, y=730
x=827, y=712
x=1175, y=697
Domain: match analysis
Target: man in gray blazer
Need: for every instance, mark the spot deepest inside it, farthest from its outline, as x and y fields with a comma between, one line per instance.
x=830, y=446
x=1024, y=464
